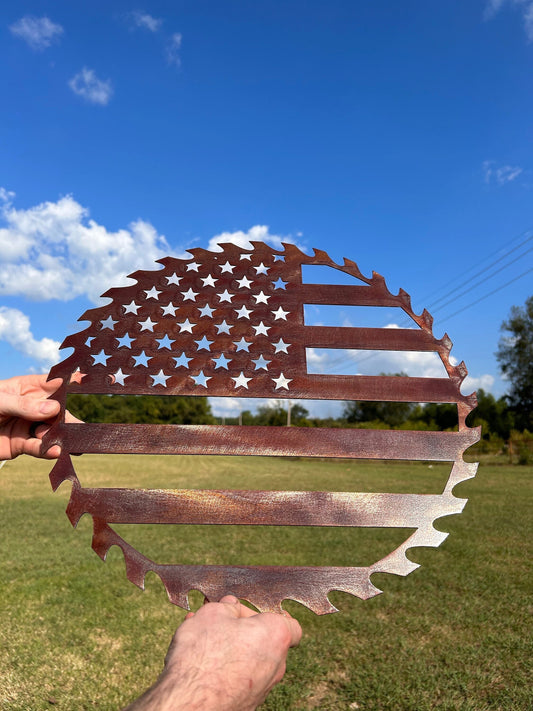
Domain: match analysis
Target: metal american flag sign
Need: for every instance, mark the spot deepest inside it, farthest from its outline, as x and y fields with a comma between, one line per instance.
x=231, y=323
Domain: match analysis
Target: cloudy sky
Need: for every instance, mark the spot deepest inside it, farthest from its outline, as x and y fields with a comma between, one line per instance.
x=397, y=134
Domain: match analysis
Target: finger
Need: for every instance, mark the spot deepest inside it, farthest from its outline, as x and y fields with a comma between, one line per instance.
x=242, y=610
x=28, y=408
x=295, y=631
x=70, y=419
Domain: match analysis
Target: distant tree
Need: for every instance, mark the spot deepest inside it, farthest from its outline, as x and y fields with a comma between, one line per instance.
x=391, y=413
x=494, y=415
x=154, y=409
x=515, y=355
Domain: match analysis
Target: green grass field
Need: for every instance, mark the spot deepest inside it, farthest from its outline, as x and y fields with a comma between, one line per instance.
x=455, y=634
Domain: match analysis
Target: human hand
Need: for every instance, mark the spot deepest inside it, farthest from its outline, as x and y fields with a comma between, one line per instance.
x=26, y=415
x=224, y=657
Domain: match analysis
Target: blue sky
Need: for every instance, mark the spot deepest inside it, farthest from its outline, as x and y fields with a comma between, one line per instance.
x=398, y=134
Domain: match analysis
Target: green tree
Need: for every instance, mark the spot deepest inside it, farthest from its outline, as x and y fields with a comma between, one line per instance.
x=392, y=413
x=515, y=356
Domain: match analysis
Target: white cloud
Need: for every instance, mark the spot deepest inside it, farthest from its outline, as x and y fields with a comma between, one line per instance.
x=483, y=381
x=38, y=32
x=494, y=6
x=257, y=233
x=15, y=330
x=172, y=49
x=146, y=21
x=87, y=85
x=500, y=174
x=54, y=250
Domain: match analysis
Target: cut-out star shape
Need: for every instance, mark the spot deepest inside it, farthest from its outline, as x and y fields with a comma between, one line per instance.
x=169, y=310
x=282, y=382
x=244, y=283
x=261, y=298
x=108, y=323
x=209, y=280
x=131, y=308
x=189, y=295
x=261, y=329
x=279, y=283
x=204, y=344
x=192, y=267
x=226, y=267
x=174, y=279
x=222, y=361
x=206, y=311
x=182, y=360
x=201, y=379
x=246, y=256
x=160, y=379
x=147, y=325
x=152, y=293
x=281, y=346
x=225, y=296
x=241, y=381
x=261, y=269
x=125, y=341
x=243, y=312
x=89, y=341
x=101, y=358
x=186, y=326
x=242, y=345
x=260, y=363
x=164, y=342
x=280, y=314
x=279, y=258
x=223, y=327
x=141, y=359
x=119, y=377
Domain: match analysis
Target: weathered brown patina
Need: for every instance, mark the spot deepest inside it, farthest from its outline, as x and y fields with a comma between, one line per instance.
x=231, y=324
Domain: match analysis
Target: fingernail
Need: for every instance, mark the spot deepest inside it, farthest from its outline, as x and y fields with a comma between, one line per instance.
x=47, y=407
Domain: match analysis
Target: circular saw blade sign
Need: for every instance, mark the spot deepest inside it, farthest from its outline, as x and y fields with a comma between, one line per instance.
x=231, y=324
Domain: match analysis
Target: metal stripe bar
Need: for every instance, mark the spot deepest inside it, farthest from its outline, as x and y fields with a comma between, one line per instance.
x=260, y=508
x=264, y=441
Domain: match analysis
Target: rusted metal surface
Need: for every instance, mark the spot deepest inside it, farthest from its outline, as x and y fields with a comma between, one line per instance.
x=231, y=324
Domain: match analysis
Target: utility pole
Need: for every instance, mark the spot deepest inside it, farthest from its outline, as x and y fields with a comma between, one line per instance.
x=289, y=405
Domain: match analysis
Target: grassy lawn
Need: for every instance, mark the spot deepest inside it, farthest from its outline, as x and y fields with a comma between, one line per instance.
x=455, y=634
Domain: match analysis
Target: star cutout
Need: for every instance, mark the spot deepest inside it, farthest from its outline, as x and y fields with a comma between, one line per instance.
x=173, y=279
x=182, y=361
x=242, y=345
x=281, y=346
x=261, y=363
x=279, y=283
x=223, y=327
x=108, y=323
x=261, y=298
x=261, y=269
x=225, y=296
x=246, y=256
x=201, y=379
x=89, y=341
x=131, y=308
x=164, y=342
x=152, y=293
x=244, y=283
x=280, y=314
x=141, y=359
x=282, y=382
x=147, y=325
x=227, y=267
x=169, y=310
x=241, y=381
x=189, y=295
x=101, y=358
x=206, y=311
x=119, y=377
x=208, y=280
x=222, y=361
x=243, y=312
x=192, y=267
x=261, y=329
x=204, y=344
x=186, y=326
x=125, y=341
x=160, y=379
x=279, y=258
